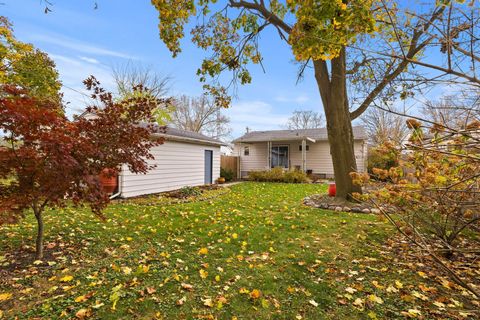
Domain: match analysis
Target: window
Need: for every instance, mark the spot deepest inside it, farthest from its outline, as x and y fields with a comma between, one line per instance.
x=246, y=151
x=307, y=147
x=279, y=156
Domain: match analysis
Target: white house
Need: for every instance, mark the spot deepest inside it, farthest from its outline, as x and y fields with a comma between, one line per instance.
x=305, y=149
x=184, y=159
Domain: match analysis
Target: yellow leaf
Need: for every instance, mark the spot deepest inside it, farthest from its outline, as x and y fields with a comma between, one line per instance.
x=203, y=274
x=203, y=251
x=66, y=279
x=374, y=298
x=414, y=312
x=80, y=299
x=398, y=284
x=234, y=236
x=217, y=278
x=5, y=296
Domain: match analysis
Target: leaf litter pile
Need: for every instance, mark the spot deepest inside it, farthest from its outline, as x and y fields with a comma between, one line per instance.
x=254, y=252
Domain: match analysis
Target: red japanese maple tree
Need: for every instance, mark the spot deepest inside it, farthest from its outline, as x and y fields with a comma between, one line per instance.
x=50, y=161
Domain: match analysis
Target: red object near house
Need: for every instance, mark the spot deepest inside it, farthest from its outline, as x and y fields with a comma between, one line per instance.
x=332, y=189
x=108, y=180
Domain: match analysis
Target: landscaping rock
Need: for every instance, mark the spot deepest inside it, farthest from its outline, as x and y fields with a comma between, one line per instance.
x=366, y=210
x=356, y=209
x=375, y=210
x=346, y=209
x=338, y=209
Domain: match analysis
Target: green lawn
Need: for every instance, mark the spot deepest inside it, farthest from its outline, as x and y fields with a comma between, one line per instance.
x=252, y=253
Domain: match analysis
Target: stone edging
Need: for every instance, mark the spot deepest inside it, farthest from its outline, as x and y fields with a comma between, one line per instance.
x=318, y=201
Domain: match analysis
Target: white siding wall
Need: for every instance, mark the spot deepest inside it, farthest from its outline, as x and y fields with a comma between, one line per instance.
x=178, y=164
x=318, y=156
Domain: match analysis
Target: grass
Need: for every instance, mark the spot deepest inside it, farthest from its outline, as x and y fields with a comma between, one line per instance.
x=254, y=252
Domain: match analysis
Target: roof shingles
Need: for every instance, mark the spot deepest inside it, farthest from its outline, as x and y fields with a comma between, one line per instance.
x=286, y=135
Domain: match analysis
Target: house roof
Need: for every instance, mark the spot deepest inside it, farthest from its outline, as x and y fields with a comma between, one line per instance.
x=179, y=134
x=176, y=134
x=300, y=134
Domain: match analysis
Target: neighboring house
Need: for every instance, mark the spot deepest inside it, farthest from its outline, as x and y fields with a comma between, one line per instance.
x=304, y=149
x=226, y=150
x=184, y=159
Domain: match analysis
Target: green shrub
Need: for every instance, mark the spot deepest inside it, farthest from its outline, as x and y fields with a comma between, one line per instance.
x=227, y=174
x=190, y=191
x=278, y=175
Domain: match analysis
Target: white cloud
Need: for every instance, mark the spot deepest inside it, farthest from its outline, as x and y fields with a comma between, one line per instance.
x=72, y=72
x=302, y=98
x=89, y=60
x=78, y=46
x=257, y=115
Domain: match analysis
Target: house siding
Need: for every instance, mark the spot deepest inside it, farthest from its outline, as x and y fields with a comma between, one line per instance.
x=178, y=164
x=318, y=157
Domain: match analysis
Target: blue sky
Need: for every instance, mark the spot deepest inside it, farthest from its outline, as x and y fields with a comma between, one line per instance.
x=84, y=41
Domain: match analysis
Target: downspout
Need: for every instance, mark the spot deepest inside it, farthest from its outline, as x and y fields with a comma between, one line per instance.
x=120, y=183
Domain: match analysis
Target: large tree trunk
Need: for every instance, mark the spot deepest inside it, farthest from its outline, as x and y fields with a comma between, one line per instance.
x=339, y=126
x=39, y=242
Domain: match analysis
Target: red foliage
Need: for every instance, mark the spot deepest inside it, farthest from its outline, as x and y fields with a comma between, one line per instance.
x=49, y=159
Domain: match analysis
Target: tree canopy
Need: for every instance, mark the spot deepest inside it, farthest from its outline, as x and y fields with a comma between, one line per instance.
x=25, y=66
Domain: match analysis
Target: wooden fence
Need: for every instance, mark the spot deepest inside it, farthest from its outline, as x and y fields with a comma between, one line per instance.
x=230, y=163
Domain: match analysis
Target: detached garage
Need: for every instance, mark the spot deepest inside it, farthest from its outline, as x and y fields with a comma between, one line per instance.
x=184, y=159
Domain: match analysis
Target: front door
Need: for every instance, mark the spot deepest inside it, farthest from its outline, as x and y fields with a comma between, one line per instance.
x=280, y=156
x=208, y=166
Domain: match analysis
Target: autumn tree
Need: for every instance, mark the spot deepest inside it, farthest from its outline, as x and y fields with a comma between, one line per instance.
x=200, y=114
x=131, y=75
x=50, y=161
x=342, y=42
x=25, y=66
x=382, y=126
x=305, y=119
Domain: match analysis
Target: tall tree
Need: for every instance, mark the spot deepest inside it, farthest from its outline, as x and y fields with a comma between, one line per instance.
x=25, y=66
x=131, y=75
x=202, y=115
x=305, y=119
x=384, y=126
x=340, y=40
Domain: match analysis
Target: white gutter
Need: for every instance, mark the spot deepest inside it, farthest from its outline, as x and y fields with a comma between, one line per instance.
x=187, y=139
x=120, y=183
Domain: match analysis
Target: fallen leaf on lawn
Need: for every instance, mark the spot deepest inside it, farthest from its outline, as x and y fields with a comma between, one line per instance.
x=391, y=289
x=5, y=296
x=181, y=301
x=255, y=294
x=358, y=303
x=151, y=290
x=374, y=298
x=126, y=270
x=186, y=286
x=203, y=274
x=66, y=279
x=398, y=284
x=350, y=290
x=81, y=298
x=207, y=302
x=203, y=251
x=313, y=303
x=83, y=313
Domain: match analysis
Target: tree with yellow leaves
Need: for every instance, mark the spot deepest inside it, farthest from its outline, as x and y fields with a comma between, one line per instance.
x=344, y=42
x=24, y=66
